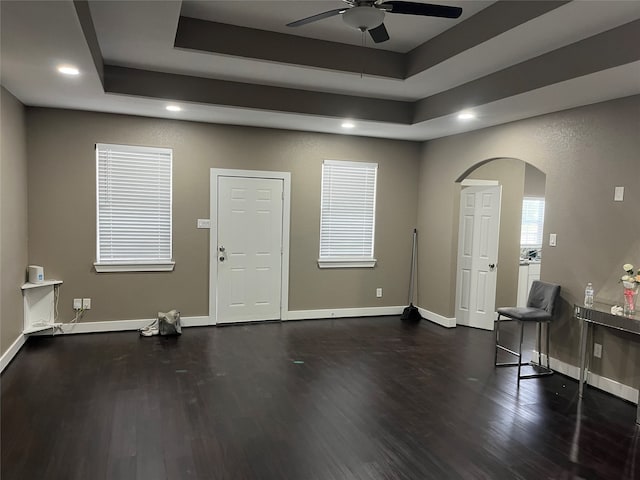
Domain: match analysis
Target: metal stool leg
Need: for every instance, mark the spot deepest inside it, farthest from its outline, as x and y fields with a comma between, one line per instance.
x=548, y=353
x=495, y=358
x=520, y=351
x=539, y=330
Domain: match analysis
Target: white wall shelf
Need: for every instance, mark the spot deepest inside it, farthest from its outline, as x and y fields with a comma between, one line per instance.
x=39, y=306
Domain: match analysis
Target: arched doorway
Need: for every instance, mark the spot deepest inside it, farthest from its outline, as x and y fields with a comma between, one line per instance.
x=519, y=239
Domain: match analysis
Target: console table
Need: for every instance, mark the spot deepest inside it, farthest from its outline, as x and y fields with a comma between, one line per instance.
x=600, y=314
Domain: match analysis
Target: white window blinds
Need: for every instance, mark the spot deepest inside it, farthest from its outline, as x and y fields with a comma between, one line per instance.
x=532, y=222
x=347, y=217
x=133, y=208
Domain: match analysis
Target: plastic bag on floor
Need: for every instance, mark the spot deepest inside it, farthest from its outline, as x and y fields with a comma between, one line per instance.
x=169, y=323
x=166, y=324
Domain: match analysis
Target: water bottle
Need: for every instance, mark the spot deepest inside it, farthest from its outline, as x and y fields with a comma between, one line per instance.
x=588, y=295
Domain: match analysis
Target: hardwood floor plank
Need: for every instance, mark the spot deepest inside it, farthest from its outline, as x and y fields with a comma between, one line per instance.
x=349, y=399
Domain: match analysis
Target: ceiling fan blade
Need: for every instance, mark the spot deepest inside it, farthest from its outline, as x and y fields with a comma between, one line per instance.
x=379, y=34
x=315, y=18
x=426, y=9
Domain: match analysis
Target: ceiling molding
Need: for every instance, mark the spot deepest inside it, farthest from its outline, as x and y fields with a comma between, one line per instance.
x=89, y=31
x=213, y=37
x=220, y=38
x=144, y=83
x=484, y=25
x=591, y=55
x=594, y=54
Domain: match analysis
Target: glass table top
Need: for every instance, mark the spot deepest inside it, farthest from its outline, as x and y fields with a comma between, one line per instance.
x=600, y=314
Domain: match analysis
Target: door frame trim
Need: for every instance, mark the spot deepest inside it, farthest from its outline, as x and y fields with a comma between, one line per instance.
x=215, y=173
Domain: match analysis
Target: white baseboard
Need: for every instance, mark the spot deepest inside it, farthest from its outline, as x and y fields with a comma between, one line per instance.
x=436, y=318
x=123, y=325
x=120, y=325
x=11, y=352
x=603, y=383
x=202, y=321
x=344, y=312
x=94, y=327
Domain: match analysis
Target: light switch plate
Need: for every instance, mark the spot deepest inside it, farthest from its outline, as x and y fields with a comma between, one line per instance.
x=552, y=240
x=379, y=292
x=597, y=350
x=204, y=223
x=618, y=195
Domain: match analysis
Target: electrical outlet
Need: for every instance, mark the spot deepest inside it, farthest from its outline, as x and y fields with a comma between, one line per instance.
x=86, y=304
x=379, y=292
x=597, y=350
x=77, y=303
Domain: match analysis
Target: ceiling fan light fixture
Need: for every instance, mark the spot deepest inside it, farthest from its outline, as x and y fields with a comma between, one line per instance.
x=363, y=18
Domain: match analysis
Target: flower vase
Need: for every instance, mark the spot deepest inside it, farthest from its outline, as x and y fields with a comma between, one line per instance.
x=630, y=294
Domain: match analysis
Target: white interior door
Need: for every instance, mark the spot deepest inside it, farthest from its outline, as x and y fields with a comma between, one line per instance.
x=249, y=249
x=478, y=256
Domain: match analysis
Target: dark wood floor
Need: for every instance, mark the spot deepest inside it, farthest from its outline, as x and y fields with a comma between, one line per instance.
x=344, y=399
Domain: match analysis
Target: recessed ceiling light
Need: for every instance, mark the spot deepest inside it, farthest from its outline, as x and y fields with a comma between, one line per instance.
x=348, y=125
x=173, y=108
x=68, y=70
x=466, y=116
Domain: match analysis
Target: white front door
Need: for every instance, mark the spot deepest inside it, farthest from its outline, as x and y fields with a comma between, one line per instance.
x=249, y=249
x=478, y=256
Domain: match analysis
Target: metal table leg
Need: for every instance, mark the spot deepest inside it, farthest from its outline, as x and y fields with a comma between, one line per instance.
x=584, y=333
x=638, y=410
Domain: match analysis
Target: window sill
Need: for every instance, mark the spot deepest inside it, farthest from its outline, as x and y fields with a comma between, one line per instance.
x=346, y=262
x=134, y=267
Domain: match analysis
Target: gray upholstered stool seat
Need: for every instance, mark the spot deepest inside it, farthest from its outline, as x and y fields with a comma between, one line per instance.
x=525, y=313
x=539, y=309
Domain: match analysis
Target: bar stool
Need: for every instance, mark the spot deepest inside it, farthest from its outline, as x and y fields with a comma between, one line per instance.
x=539, y=309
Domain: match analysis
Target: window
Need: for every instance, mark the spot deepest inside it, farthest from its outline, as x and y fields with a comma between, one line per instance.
x=532, y=222
x=133, y=208
x=347, y=216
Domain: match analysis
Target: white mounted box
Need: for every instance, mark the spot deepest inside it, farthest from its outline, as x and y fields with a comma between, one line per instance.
x=39, y=305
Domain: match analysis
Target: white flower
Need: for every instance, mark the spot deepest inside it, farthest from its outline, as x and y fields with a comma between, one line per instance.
x=625, y=278
x=627, y=267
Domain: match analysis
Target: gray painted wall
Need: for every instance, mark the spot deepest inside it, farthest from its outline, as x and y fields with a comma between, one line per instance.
x=62, y=217
x=584, y=152
x=13, y=217
x=534, y=181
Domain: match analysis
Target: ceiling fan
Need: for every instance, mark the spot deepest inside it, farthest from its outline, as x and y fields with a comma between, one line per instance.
x=368, y=15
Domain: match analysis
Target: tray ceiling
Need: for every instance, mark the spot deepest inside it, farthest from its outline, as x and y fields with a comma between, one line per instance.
x=236, y=62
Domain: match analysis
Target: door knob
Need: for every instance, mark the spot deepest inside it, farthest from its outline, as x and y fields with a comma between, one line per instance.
x=492, y=266
x=221, y=258
x=221, y=248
